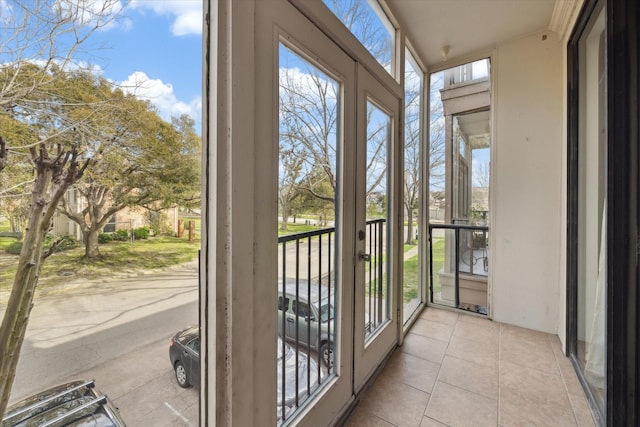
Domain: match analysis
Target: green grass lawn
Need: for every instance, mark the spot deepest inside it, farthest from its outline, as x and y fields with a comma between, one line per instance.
x=142, y=255
x=410, y=279
x=296, y=228
x=6, y=241
x=438, y=262
x=410, y=270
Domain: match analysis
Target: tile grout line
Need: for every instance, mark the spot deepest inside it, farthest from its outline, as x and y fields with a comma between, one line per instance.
x=564, y=381
x=435, y=383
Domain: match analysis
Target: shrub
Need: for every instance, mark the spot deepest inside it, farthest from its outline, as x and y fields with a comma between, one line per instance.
x=141, y=233
x=14, y=248
x=66, y=243
x=105, y=237
x=121, y=235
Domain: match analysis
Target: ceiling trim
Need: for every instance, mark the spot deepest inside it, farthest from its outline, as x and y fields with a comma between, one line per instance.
x=565, y=13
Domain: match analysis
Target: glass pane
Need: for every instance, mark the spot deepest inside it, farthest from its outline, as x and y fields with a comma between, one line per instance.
x=368, y=23
x=443, y=273
x=591, y=209
x=117, y=274
x=459, y=183
x=413, y=86
x=377, y=203
x=308, y=150
x=437, y=151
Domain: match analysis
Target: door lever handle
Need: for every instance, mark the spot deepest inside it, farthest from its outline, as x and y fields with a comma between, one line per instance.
x=364, y=257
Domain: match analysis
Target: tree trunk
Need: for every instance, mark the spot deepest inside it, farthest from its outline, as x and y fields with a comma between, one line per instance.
x=16, y=317
x=409, y=240
x=91, y=249
x=284, y=226
x=54, y=176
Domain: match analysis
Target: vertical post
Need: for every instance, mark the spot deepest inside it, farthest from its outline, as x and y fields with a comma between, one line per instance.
x=192, y=231
x=180, y=228
x=381, y=281
x=430, y=263
x=239, y=342
x=457, y=264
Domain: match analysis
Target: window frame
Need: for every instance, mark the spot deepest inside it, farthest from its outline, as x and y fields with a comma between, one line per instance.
x=622, y=402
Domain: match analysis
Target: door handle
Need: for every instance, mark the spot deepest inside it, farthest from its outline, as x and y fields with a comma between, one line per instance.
x=289, y=319
x=364, y=257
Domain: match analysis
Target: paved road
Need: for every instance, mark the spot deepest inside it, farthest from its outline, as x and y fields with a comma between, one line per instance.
x=116, y=332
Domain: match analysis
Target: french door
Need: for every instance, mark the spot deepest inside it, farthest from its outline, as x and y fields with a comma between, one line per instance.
x=337, y=132
x=376, y=320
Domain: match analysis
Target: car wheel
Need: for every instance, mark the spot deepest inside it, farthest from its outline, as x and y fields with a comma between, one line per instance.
x=326, y=352
x=181, y=375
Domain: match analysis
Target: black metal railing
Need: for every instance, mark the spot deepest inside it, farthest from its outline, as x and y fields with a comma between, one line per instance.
x=465, y=254
x=306, y=324
x=375, y=278
x=306, y=306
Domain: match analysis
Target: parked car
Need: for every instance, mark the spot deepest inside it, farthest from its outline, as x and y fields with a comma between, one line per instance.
x=184, y=353
x=311, y=308
x=76, y=403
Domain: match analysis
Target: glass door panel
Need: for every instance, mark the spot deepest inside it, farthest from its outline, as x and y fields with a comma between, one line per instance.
x=313, y=111
x=375, y=329
x=337, y=131
x=412, y=286
x=376, y=281
x=459, y=186
x=592, y=195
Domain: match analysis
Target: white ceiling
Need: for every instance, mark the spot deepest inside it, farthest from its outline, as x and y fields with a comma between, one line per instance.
x=467, y=26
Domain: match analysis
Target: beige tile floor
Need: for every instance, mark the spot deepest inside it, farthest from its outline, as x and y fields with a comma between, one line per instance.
x=456, y=369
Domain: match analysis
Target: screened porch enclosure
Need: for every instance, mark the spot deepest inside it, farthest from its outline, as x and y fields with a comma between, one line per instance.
x=370, y=176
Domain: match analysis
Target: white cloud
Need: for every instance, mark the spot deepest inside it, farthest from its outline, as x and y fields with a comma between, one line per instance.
x=187, y=13
x=161, y=95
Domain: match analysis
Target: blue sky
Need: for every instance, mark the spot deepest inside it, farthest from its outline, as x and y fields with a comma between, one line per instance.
x=157, y=44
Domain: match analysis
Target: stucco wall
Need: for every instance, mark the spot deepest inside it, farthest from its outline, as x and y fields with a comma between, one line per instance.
x=527, y=183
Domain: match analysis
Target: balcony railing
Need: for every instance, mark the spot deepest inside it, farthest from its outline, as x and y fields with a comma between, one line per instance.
x=306, y=324
x=375, y=278
x=459, y=266
x=306, y=305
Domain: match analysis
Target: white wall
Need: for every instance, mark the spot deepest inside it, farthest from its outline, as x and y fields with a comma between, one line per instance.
x=529, y=176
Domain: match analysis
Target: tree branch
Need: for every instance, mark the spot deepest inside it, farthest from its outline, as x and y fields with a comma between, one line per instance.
x=3, y=154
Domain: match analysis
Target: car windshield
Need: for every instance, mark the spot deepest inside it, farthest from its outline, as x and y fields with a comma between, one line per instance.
x=326, y=312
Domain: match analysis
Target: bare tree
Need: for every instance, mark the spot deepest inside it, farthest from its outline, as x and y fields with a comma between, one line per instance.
x=3, y=154
x=437, y=135
x=309, y=134
x=308, y=111
x=481, y=174
x=289, y=189
x=46, y=33
x=364, y=25
x=412, y=147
